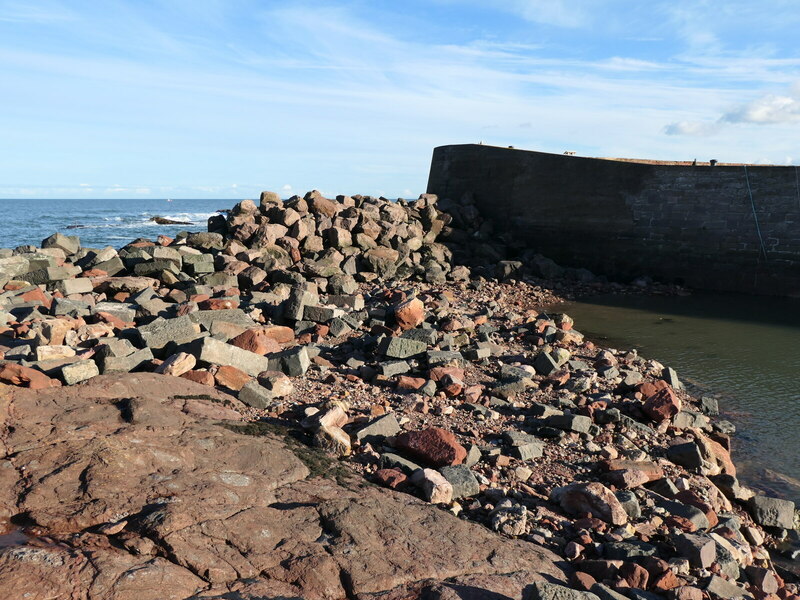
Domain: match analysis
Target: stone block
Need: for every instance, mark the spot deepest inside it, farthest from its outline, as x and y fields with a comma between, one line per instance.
x=79, y=371
x=219, y=353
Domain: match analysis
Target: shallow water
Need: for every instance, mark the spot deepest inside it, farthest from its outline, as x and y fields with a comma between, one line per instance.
x=743, y=349
x=99, y=223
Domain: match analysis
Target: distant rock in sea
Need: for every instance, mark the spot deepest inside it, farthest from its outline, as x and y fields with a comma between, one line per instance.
x=165, y=221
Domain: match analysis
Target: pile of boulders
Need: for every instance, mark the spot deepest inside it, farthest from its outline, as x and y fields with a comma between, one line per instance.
x=358, y=238
x=348, y=318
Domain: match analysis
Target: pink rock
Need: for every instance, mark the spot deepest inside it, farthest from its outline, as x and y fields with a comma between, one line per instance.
x=593, y=498
x=434, y=446
x=660, y=404
x=409, y=314
x=391, y=478
x=26, y=377
x=256, y=340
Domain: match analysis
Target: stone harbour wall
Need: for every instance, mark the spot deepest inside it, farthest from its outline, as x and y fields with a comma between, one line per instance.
x=679, y=223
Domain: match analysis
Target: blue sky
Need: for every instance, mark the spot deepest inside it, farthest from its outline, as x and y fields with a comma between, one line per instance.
x=221, y=99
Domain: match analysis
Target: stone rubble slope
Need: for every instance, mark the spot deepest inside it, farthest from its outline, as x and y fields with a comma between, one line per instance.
x=349, y=323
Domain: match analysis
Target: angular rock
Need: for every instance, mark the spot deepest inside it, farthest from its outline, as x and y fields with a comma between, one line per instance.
x=462, y=480
x=216, y=352
x=554, y=591
x=382, y=427
x=395, y=347
x=594, y=498
x=177, y=364
x=433, y=446
x=127, y=363
x=79, y=371
x=772, y=512
x=409, y=314
x=435, y=488
x=255, y=395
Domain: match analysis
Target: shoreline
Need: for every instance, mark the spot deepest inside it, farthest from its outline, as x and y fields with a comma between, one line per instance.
x=454, y=389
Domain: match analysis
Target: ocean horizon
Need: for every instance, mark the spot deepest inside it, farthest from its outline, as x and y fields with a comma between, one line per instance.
x=102, y=222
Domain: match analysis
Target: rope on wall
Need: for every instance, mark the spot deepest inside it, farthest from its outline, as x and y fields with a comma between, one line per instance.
x=755, y=216
x=797, y=184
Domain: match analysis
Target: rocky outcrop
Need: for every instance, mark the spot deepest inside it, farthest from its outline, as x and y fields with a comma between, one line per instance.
x=142, y=486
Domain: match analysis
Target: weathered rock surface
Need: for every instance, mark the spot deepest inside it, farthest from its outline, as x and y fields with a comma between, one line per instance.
x=150, y=487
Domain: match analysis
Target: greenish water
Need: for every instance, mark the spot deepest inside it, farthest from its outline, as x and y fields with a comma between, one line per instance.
x=743, y=349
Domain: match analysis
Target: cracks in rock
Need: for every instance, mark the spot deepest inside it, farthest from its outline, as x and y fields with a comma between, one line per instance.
x=331, y=532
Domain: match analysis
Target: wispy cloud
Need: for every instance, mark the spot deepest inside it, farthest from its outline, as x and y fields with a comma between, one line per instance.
x=769, y=109
x=352, y=98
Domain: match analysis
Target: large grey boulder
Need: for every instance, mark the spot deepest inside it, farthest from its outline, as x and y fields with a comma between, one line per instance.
x=772, y=512
x=68, y=243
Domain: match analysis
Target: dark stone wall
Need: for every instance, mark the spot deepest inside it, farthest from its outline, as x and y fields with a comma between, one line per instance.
x=685, y=224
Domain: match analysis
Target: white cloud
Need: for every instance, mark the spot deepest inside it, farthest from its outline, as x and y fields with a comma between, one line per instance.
x=287, y=188
x=769, y=109
x=692, y=128
x=562, y=13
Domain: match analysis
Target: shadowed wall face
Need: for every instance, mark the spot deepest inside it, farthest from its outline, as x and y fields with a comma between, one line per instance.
x=693, y=225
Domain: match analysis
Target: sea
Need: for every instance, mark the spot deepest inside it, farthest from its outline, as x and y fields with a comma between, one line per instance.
x=100, y=223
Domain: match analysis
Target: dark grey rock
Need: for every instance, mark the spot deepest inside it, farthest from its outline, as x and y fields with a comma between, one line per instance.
x=772, y=512
x=382, y=427
x=395, y=347
x=462, y=479
x=686, y=455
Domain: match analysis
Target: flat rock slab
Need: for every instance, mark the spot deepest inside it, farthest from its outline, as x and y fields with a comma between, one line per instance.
x=154, y=488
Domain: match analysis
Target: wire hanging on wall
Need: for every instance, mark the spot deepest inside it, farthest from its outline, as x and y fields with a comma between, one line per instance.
x=755, y=216
x=797, y=185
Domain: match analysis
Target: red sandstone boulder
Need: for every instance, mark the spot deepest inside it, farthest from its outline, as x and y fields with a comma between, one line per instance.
x=391, y=478
x=409, y=314
x=231, y=377
x=432, y=446
x=218, y=304
x=660, y=401
x=590, y=498
x=410, y=384
x=203, y=377
x=279, y=333
x=256, y=340
x=26, y=377
x=628, y=474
